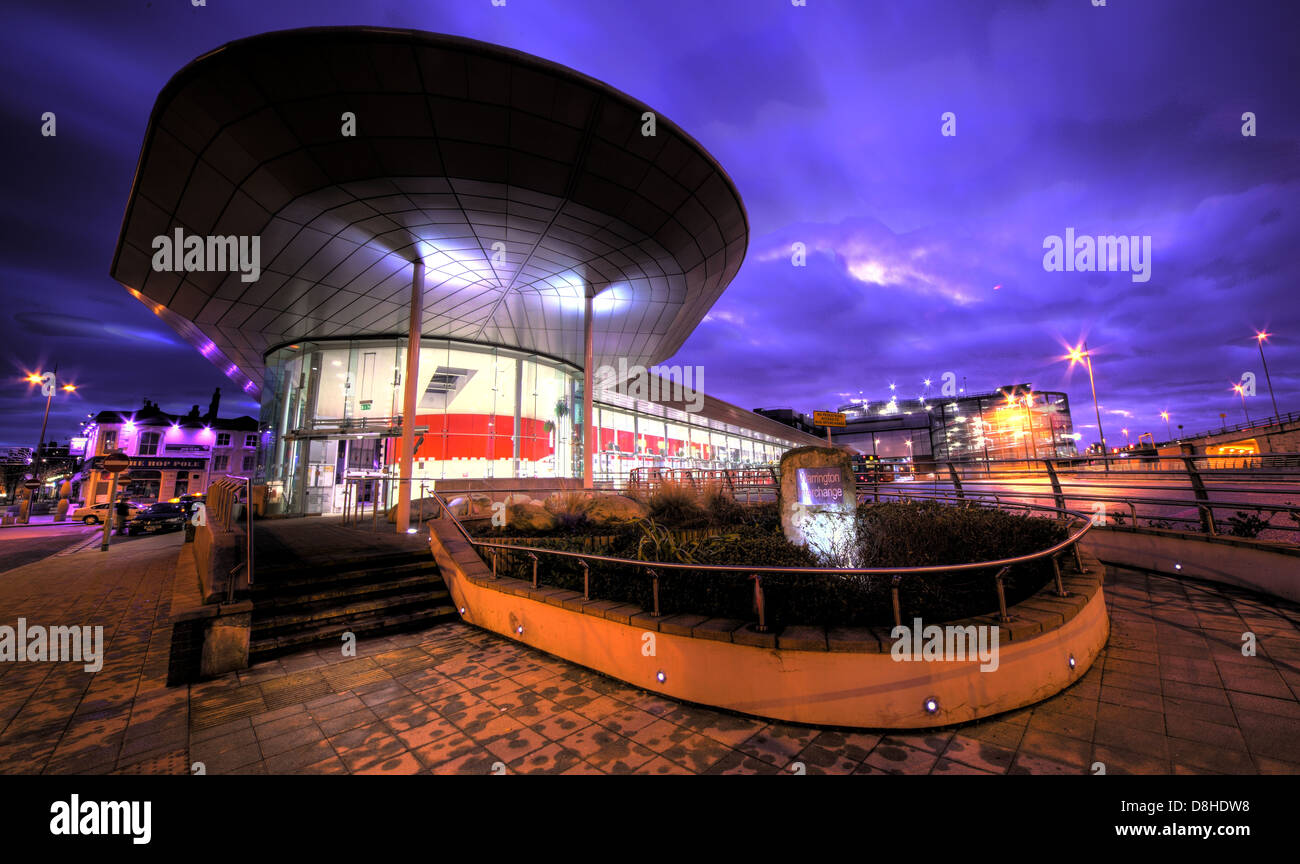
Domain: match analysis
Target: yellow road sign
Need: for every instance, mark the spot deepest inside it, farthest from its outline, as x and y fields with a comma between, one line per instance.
x=828, y=418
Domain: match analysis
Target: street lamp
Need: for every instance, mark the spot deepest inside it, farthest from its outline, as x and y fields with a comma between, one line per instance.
x=1260, y=338
x=1168, y=431
x=49, y=383
x=1083, y=355
x=1241, y=391
x=1125, y=431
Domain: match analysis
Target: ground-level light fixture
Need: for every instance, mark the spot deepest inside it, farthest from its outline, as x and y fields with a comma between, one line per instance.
x=660, y=676
x=1072, y=662
x=931, y=705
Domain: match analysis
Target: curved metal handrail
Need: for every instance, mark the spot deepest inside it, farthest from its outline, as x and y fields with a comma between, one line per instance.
x=1002, y=565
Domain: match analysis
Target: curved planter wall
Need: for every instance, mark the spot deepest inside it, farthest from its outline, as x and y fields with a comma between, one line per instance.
x=1257, y=565
x=841, y=677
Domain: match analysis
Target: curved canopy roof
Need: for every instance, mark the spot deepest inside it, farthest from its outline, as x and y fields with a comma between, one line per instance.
x=521, y=184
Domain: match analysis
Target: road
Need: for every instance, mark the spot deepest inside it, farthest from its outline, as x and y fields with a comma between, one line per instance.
x=24, y=544
x=1098, y=496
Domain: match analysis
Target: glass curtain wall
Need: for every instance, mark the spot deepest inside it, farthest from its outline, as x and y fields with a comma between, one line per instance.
x=482, y=412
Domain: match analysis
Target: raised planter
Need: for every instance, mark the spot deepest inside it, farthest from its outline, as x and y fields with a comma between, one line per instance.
x=1265, y=566
x=840, y=677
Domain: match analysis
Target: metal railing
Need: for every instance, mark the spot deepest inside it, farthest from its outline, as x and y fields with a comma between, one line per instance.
x=224, y=494
x=360, y=491
x=1002, y=566
x=1260, y=423
x=1164, y=491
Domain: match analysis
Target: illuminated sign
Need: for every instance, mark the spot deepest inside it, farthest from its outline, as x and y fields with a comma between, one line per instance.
x=77, y=447
x=820, y=486
x=828, y=418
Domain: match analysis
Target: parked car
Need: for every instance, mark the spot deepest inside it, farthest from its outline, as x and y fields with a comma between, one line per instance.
x=94, y=513
x=157, y=518
x=188, y=501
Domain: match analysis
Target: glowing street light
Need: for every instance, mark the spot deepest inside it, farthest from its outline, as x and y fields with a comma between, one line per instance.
x=49, y=382
x=1125, y=431
x=1260, y=338
x=1081, y=354
x=1241, y=391
x=1168, y=431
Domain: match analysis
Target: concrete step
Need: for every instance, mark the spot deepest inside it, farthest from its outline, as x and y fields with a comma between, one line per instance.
x=343, y=585
x=373, y=624
x=311, y=572
x=312, y=615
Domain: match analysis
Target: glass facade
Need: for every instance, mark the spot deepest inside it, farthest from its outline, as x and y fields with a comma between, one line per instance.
x=483, y=412
x=1013, y=422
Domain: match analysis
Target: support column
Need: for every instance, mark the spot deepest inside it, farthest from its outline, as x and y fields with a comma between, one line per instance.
x=588, y=424
x=406, y=464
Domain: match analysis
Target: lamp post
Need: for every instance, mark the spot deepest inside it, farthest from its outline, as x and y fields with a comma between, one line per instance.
x=49, y=382
x=1241, y=391
x=1260, y=338
x=1077, y=355
x=1125, y=431
x=1168, y=431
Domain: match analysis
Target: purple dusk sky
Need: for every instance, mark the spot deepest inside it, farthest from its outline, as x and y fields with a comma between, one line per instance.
x=924, y=252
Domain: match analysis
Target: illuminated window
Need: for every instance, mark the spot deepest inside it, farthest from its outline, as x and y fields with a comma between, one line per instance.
x=149, y=443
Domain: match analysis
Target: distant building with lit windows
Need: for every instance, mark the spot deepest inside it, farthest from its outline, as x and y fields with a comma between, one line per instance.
x=1011, y=422
x=171, y=454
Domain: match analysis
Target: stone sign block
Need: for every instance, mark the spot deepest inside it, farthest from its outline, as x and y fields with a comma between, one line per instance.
x=819, y=504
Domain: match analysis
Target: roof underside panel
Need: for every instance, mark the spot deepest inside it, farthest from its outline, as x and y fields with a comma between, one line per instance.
x=523, y=187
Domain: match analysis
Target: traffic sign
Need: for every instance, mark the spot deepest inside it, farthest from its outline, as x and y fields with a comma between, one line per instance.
x=32, y=484
x=115, y=462
x=828, y=418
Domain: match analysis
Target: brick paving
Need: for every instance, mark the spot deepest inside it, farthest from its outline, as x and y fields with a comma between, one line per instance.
x=58, y=718
x=1172, y=693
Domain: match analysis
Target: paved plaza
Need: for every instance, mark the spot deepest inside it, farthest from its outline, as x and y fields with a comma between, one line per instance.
x=1172, y=693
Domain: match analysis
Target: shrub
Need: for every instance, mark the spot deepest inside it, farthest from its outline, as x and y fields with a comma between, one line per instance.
x=720, y=505
x=890, y=535
x=570, y=508
x=677, y=504
x=1248, y=525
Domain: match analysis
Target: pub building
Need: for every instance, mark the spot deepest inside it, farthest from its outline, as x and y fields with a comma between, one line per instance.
x=171, y=454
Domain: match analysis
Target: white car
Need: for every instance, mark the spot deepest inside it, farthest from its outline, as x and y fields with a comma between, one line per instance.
x=94, y=514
